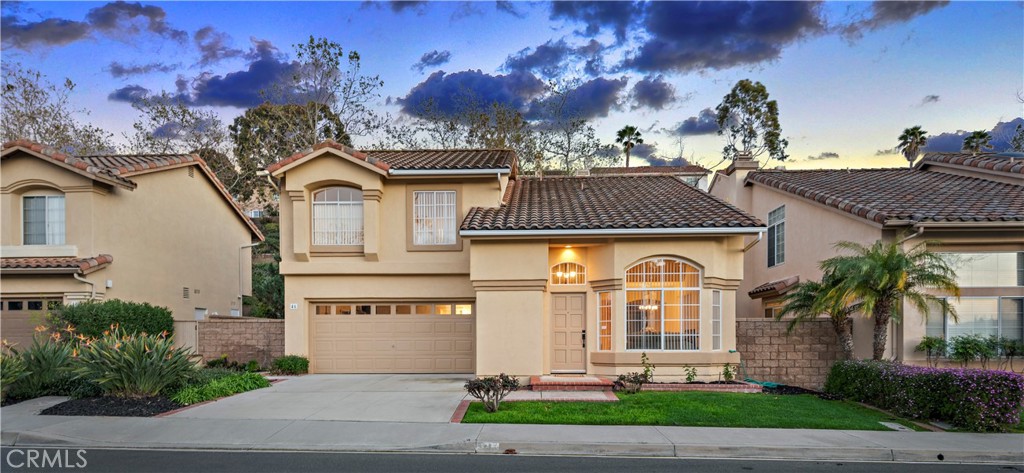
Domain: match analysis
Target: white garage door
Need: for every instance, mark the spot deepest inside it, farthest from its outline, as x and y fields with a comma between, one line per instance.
x=348, y=337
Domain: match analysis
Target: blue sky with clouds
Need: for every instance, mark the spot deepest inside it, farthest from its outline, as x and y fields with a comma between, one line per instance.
x=848, y=76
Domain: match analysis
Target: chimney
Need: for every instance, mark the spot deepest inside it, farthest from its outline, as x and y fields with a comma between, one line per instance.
x=743, y=162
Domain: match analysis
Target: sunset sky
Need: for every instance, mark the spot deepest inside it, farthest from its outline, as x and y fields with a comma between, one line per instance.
x=848, y=76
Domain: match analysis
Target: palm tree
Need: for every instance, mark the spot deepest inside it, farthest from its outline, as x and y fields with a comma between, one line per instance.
x=811, y=298
x=882, y=275
x=628, y=137
x=911, y=142
x=977, y=141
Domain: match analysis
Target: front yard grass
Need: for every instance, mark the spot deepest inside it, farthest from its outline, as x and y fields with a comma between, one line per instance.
x=693, y=409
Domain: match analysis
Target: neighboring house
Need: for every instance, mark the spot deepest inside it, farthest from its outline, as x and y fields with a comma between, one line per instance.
x=147, y=228
x=972, y=206
x=449, y=261
x=691, y=174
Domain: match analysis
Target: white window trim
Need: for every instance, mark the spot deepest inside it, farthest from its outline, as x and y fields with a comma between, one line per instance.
x=611, y=320
x=771, y=232
x=700, y=318
x=46, y=197
x=582, y=272
x=352, y=203
x=716, y=338
x=453, y=231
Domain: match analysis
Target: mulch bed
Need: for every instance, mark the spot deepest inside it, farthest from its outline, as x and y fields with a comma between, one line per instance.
x=113, y=406
x=786, y=390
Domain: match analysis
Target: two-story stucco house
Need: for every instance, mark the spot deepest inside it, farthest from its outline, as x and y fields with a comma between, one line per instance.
x=970, y=206
x=449, y=261
x=148, y=228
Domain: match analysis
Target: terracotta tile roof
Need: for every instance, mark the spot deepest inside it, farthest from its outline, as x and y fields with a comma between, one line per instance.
x=71, y=264
x=74, y=163
x=327, y=144
x=884, y=195
x=119, y=167
x=601, y=203
x=128, y=164
x=1003, y=163
x=688, y=169
x=422, y=159
x=774, y=288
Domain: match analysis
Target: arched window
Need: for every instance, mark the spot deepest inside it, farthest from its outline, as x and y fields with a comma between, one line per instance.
x=568, y=273
x=338, y=217
x=662, y=305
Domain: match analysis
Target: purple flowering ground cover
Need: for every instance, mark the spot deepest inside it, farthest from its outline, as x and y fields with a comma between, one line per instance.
x=970, y=399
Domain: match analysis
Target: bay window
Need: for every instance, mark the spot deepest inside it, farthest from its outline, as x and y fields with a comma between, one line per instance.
x=663, y=306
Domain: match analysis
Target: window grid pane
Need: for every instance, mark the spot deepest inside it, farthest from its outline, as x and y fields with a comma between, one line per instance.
x=338, y=217
x=568, y=273
x=777, y=236
x=716, y=320
x=434, y=218
x=604, y=316
x=663, y=306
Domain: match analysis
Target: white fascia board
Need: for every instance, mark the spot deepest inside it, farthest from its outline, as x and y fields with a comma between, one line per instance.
x=448, y=172
x=616, y=231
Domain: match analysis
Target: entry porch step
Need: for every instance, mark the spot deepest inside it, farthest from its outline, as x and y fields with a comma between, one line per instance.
x=570, y=383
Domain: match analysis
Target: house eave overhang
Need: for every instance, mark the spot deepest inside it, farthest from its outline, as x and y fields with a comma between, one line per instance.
x=597, y=232
x=449, y=172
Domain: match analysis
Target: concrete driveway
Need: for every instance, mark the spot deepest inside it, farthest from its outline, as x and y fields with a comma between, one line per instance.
x=344, y=397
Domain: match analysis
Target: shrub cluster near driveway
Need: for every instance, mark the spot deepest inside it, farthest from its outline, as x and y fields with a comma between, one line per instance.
x=696, y=409
x=92, y=318
x=971, y=399
x=220, y=387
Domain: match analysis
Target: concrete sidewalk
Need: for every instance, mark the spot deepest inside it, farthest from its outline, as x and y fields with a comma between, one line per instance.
x=21, y=426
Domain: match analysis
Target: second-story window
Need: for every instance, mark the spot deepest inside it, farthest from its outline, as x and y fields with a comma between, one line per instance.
x=777, y=236
x=338, y=217
x=434, y=219
x=43, y=220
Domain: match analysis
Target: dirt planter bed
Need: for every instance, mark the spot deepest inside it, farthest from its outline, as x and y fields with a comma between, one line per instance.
x=113, y=407
x=733, y=387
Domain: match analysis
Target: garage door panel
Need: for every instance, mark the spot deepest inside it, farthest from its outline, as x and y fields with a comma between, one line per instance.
x=392, y=343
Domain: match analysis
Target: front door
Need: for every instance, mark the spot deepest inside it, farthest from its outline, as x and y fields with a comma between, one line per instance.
x=568, y=337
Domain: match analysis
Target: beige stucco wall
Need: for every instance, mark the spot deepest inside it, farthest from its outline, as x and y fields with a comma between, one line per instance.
x=172, y=231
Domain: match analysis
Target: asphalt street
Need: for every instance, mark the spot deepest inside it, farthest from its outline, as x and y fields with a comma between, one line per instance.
x=179, y=461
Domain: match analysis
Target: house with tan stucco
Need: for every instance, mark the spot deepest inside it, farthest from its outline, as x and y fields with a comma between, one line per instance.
x=450, y=261
x=969, y=207
x=148, y=228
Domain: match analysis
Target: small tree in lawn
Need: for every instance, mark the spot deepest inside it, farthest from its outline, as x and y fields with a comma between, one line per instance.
x=628, y=137
x=750, y=122
x=883, y=274
x=911, y=142
x=810, y=299
x=492, y=390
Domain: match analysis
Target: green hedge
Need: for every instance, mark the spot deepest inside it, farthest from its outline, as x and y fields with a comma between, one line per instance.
x=290, y=364
x=93, y=318
x=972, y=399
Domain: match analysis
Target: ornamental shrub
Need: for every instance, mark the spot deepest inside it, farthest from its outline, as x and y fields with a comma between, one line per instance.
x=220, y=387
x=47, y=363
x=492, y=390
x=12, y=370
x=93, y=318
x=972, y=399
x=290, y=364
x=134, y=365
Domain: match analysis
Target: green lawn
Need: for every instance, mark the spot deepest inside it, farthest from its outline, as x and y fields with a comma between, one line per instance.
x=696, y=409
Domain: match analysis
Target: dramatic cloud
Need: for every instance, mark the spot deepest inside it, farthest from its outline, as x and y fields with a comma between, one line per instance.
x=120, y=18
x=885, y=13
x=119, y=70
x=929, y=99
x=653, y=92
x=824, y=155
x=240, y=89
x=214, y=46
x=401, y=6
x=116, y=19
x=695, y=36
x=515, y=89
x=677, y=161
x=617, y=16
x=509, y=7
x=1002, y=133
x=432, y=59
x=591, y=99
x=129, y=94
x=25, y=35
x=546, y=59
x=643, y=150
x=592, y=54
x=705, y=123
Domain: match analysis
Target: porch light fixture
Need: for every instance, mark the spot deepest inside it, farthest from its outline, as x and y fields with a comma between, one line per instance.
x=568, y=247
